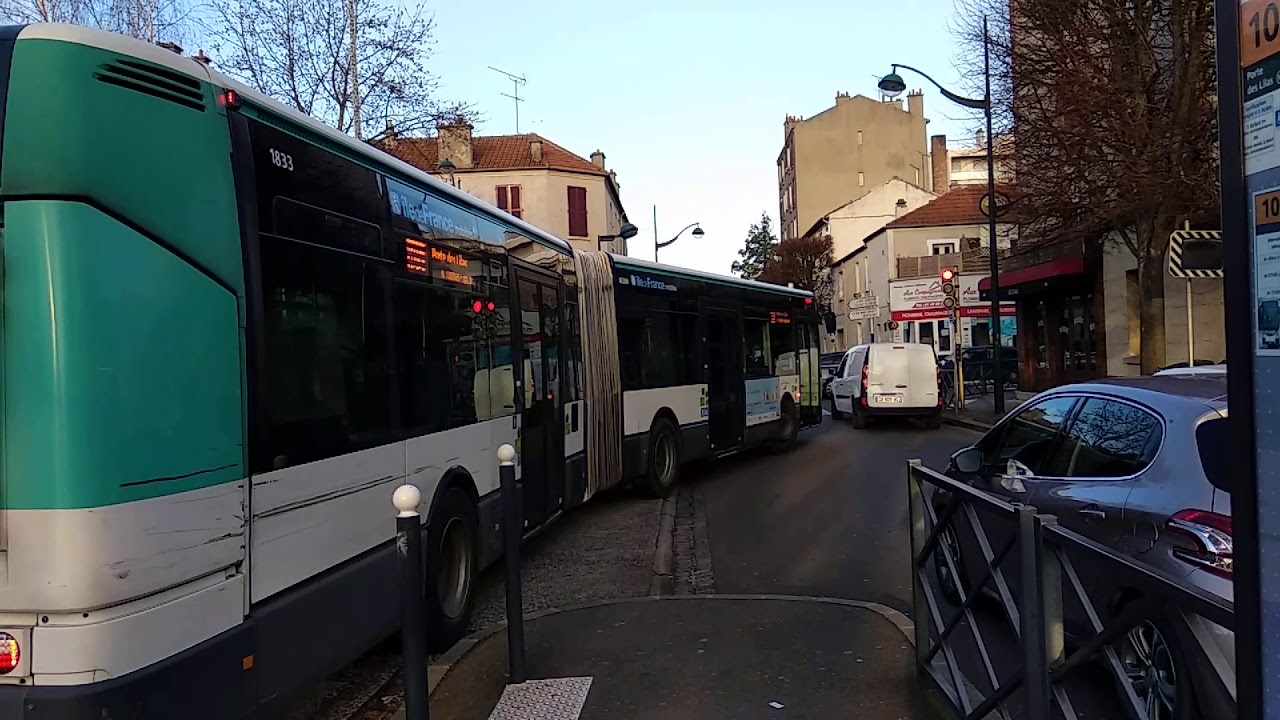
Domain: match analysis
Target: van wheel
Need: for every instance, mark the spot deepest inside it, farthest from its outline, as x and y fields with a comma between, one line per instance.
x=451, y=556
x=859, y=420
x=835, y=411
x=790, y=427
x=934, y=421
x=664, y=459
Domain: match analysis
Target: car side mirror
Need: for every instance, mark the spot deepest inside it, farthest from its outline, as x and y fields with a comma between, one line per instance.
x=968, y=460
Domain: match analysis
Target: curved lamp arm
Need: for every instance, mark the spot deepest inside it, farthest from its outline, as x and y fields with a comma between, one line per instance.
x=677, y=236
x=958, y=99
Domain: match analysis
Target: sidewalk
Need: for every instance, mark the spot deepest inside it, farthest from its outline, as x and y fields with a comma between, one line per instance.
x=979, y=412
x=723, y=656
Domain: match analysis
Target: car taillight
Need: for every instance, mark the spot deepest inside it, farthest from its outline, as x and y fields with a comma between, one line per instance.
x=10, y=653
x=1211, y=535
x=866, y=368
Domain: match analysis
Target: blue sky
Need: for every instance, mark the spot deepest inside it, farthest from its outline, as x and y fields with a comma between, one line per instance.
x=687, y=99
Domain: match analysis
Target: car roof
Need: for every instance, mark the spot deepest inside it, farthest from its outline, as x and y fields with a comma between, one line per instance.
x=1158, y=391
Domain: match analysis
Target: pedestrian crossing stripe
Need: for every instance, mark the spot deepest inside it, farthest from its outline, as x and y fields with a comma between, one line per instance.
x=1178, y=242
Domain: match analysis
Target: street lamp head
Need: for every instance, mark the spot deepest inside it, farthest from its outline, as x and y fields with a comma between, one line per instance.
x=892, y=85
x=446, y=165
x=697, y=233
x=628, y=231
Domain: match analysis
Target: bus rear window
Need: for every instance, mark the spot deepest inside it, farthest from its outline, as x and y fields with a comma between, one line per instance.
x=1211, y=440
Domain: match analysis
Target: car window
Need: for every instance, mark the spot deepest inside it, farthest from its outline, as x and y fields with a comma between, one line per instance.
x=855, y=364
x=1032, y=439
x=840, y=370
x=1211, y=440
x=1111, y=439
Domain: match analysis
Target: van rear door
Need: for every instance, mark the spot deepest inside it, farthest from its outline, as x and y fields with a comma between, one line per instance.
x=888, y=376
x=923, y=390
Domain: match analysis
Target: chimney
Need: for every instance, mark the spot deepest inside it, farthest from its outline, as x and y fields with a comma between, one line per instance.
x=535, y=151
x=390, y=140
x=915, y=102
x=597, y=159
x=613, y=175
x=454, y=143
x=200, y=57
x=941, y=163
x=900, y=207
x=980, y=139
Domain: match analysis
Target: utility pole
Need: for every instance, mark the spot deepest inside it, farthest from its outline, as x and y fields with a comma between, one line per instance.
x=516, y=82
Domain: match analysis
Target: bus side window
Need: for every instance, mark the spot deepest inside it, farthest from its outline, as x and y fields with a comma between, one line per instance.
x=755, y=347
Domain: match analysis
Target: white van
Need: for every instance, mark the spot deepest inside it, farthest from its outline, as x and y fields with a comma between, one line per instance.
x=887, y=379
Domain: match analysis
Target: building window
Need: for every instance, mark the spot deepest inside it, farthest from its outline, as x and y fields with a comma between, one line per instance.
x=577, y=211
x=509, y=199
x=859, y=137
x=862, y=180
x=947, y=247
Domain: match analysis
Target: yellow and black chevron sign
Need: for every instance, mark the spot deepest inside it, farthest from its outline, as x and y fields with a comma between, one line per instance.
x=1195, y=254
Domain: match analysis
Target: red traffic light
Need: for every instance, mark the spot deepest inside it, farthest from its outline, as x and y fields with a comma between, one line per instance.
x=477, y=306
x=948, y=274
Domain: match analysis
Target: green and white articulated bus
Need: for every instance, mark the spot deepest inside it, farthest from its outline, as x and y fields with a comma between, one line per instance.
x=229, y=332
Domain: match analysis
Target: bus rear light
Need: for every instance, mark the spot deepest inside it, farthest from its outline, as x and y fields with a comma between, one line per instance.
x=229, y=99
x=10, y=653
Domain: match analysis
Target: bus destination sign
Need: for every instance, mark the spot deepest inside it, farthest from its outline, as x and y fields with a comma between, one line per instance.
x=451, y=267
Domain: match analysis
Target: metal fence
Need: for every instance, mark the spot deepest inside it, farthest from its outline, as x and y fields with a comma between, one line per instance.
x=1045, y=557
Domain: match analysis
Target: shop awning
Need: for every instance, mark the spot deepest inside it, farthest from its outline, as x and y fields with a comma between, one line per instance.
x=1069, y=265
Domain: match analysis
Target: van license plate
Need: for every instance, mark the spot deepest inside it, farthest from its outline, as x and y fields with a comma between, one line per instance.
x=889, y=399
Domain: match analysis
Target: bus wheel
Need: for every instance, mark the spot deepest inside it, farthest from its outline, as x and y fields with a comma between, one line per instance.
x=789, y=427
x=664, y=459
x=451, y=556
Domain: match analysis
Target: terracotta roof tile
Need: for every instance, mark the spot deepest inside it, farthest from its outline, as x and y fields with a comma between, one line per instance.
x=495, y=152
x=957, y=207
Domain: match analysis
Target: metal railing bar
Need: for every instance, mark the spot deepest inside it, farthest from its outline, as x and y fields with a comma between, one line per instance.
x=939, y=523
x=998, y=696
x=1012, y=614
x=1034, y=635
x=978, y=497
x=1147, y=578
x=944, y=636
x=948, y=654
x=1064, y=703
x=1134, y=612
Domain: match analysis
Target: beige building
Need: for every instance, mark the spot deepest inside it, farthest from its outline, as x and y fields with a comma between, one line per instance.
x=947, y=231
x=844, y=152
x=967, y=165
x=1122, y=303
x=528, y=176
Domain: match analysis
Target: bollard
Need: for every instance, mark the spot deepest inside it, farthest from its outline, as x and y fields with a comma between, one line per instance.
x=512, y=530
x=413, y=631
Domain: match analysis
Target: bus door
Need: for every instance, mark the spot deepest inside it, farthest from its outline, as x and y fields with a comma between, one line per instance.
x=725, y=389
x=541, y=437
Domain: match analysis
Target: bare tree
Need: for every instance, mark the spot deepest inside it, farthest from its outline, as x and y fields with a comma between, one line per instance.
x=150, y=20
x=355, y=64
x=1112, y=107
x=805, y=261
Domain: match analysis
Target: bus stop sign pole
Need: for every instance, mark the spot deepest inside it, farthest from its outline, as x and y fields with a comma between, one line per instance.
x=1248, y=65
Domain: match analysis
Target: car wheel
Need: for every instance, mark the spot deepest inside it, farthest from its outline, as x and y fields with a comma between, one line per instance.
x=451, y=558
x=1159, y=670
x=942, y=573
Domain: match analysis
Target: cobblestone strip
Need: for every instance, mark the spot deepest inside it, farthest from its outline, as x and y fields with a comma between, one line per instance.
x=693, y=573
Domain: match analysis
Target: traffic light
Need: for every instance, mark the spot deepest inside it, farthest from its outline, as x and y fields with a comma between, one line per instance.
x=950, y=294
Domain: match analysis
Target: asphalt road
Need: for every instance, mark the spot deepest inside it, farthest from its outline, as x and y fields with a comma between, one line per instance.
x=827, y=519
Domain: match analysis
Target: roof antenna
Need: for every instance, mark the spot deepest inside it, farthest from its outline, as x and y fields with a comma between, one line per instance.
x=516, y=81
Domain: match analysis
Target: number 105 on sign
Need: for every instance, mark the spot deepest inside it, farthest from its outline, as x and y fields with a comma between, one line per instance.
x=1259, y=30
x=1266, y=208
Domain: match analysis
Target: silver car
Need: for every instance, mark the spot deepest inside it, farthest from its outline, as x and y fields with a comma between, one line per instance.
x=1138, y=465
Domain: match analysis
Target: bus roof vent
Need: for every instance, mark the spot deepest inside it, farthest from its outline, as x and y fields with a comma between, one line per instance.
x=154, y=81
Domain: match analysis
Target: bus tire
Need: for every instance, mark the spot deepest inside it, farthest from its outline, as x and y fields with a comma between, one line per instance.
x=789, y=429
x=663, y=470
x=451, y=556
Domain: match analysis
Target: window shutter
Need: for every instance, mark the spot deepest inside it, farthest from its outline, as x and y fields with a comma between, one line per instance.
x=502, y=197
x=577, y=211
x=515, y=199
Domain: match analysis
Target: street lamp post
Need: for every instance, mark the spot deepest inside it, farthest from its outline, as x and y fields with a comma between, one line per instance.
x=697, y=233
x=626, y=232
x=892, y=85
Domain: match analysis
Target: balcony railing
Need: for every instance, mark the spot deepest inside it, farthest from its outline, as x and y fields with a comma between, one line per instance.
x=930, y=265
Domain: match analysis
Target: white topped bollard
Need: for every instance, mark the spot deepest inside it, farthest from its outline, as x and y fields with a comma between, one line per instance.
x=512, y=532
x=413, y=629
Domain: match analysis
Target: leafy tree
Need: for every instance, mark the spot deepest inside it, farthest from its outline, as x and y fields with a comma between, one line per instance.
x=1112, y=104
x=804, y=261
x=357, y=65
x=757, y=250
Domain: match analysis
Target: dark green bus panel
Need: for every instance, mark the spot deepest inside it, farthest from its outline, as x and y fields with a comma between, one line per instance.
x=123, y=280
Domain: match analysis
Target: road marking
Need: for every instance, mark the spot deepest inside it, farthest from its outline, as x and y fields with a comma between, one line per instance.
x=553, y=699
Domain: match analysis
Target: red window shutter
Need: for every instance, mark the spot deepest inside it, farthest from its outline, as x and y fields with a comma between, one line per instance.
x=515, y=200
x=502, y=197
x=577, y=211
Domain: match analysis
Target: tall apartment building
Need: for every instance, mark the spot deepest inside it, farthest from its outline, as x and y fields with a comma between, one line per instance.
x=844, y=152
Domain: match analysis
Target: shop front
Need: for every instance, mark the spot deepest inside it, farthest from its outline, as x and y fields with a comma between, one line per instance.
x=1059, y=303
x=916, y=306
